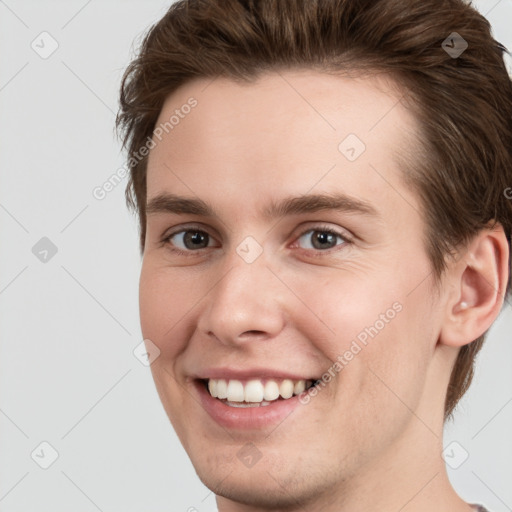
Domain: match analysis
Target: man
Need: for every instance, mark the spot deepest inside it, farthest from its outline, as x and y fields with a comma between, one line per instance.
x=325, y=239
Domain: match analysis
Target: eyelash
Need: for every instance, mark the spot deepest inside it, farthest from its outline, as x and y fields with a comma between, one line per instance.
x=322, y=229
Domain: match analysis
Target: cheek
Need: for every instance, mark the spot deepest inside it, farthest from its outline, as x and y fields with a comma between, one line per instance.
x=382, y=335
x=164, y=301
x=352, y=307
x=391, y=369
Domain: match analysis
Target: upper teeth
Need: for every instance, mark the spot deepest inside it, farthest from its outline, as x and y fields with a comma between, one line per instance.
x=255, y=390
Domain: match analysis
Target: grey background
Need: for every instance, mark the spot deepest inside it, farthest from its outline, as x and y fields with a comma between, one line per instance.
x=68, y=375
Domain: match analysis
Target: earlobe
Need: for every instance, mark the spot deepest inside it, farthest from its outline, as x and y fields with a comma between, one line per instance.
x=480, y=278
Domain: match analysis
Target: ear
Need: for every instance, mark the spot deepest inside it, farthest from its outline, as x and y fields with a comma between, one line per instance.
x=478, y=280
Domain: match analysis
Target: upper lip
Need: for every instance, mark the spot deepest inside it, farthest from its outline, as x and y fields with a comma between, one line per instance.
x=249, y=373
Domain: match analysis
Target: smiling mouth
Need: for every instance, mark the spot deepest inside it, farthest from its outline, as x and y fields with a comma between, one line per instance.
x=255, y=392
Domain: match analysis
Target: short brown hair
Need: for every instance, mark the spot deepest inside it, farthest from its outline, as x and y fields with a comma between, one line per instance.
x=462, y=164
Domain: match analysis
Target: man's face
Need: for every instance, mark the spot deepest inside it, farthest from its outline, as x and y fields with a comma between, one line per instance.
x=264, y=298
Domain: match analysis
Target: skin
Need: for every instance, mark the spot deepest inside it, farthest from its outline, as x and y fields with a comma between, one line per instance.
x=371, y=439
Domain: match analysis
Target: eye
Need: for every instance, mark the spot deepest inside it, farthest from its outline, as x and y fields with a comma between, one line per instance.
x=188, y=240
x=322, y=238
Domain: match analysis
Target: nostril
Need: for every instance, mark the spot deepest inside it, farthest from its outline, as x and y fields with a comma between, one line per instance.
x=252, y=334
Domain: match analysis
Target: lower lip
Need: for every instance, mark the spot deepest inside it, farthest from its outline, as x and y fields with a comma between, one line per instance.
x=246, y=417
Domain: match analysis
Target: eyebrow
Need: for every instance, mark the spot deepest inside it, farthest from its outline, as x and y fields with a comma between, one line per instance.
x=171, y=203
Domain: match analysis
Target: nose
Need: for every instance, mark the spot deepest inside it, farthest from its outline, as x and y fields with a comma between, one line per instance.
x=246, y=303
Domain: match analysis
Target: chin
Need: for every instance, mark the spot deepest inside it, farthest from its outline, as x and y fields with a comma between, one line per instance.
x=267, y=485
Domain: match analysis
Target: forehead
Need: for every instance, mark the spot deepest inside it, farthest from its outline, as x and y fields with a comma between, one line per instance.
x=290, y=131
